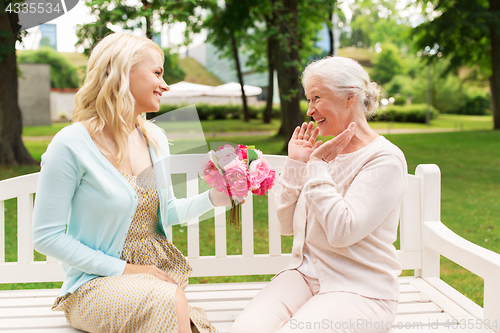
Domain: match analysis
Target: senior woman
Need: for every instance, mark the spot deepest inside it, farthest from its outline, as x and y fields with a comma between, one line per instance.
x=340, y=200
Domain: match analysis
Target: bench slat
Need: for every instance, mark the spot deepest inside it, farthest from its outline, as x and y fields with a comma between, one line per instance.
x=35, y=323
x=226, y=286
x=24, y=217
x=220, y=232
x=413, y=308
x=2, y=231
x=410, y=233
x=247, y=226
x=29, y=311
x=193, y=225
x=27, y=293
x=222, y=303
x=259, y=264
x=15, y=187
x=37, y=271
x=274, y=234
x=44, y=330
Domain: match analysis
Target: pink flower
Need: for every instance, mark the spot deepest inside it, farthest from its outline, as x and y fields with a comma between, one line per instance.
x=237, y=181
x=267, y=184
x=234, y=163
x=226, y=155
x=259, y=153
x=211, y=174
x=258, y=172
x=241, y=151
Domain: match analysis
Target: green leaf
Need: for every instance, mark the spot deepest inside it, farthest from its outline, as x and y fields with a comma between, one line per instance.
x=251, y=156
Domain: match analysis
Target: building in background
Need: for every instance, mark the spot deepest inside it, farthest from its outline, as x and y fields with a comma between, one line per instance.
x=48, y=35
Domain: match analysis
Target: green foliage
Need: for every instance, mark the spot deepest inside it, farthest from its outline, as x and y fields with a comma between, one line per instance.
x=172, y=72
x=399, y=100
x=387, y=64
x=221, y=111
x=414, y=113
x=138, y=15
x=460, y=33
x=89, y=34
x=63, y=74
x=449, y=92
x=376, y=22
x=478, y=105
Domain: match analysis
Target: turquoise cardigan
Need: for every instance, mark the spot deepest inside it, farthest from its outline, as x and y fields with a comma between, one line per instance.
x=84, y=206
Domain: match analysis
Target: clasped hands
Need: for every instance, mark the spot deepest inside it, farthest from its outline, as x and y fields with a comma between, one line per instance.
x=303, y=146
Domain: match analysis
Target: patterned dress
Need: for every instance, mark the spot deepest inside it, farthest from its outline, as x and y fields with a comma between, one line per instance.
x=136, y=302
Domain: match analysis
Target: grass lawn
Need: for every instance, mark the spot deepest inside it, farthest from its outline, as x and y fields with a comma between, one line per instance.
x=458, y=122
x=469, y=162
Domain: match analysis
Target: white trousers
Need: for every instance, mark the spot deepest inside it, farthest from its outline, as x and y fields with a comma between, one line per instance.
x=291, y=303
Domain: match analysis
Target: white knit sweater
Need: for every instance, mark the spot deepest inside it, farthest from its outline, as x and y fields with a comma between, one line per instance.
x=347, y=212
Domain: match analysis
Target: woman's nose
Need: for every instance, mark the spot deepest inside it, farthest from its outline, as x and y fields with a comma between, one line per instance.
x=310, y=110
x=164, y=85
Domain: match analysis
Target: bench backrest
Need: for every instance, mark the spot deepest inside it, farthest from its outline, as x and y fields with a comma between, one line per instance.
x=25, y=269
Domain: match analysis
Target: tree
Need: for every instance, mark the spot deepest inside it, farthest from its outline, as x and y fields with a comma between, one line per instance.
x=140, y=16
x=227, y=24
x=12, y=149
x=296, y=27
x=377, y=22
x=387, y=64
x=468, y=33
x=288, y=67
x=137, y=16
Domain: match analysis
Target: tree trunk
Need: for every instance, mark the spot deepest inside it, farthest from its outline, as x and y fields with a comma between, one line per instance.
x=12, y=149
x=234, y=47
x=268, y=112
x=330, y=32
x=149, y=30
x=495, y=68
x=288, y=68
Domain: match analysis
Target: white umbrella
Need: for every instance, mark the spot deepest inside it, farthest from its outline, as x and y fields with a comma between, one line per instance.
x=234, y=89
x=187, y=89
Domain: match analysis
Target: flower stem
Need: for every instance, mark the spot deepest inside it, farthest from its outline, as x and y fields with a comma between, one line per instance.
x=234, y=215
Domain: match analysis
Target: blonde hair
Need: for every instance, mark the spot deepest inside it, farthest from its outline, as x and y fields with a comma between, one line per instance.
x=105, y=98
x=345, y=76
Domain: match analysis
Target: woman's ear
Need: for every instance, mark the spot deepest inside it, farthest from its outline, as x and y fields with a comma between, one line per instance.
x=351, y=98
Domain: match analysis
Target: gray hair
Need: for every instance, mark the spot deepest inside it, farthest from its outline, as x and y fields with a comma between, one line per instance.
x=345, y=76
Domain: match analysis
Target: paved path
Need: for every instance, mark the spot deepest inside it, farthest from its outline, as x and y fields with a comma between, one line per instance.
x=269, y=133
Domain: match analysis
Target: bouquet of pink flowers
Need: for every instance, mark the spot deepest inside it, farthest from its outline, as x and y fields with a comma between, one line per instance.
x=236, y=171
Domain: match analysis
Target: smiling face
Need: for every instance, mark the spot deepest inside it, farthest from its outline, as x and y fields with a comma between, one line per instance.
x=328, y=109
x=146, y=82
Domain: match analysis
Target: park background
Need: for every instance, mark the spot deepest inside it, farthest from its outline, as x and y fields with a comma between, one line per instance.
x=434, y=59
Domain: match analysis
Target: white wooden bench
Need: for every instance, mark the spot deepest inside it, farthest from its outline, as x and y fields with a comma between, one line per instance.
x=427, y=304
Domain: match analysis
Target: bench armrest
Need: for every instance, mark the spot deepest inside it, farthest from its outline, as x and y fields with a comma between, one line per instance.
x=473, y=257
x=480, y=261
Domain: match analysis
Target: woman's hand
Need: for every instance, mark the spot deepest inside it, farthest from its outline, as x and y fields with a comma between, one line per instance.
x=301, y=145
x=222, y=199
x=331, y=149
x=148, y=269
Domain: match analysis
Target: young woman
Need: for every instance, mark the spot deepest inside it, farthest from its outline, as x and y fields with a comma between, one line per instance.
x=103, y=207
x=340, y=200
